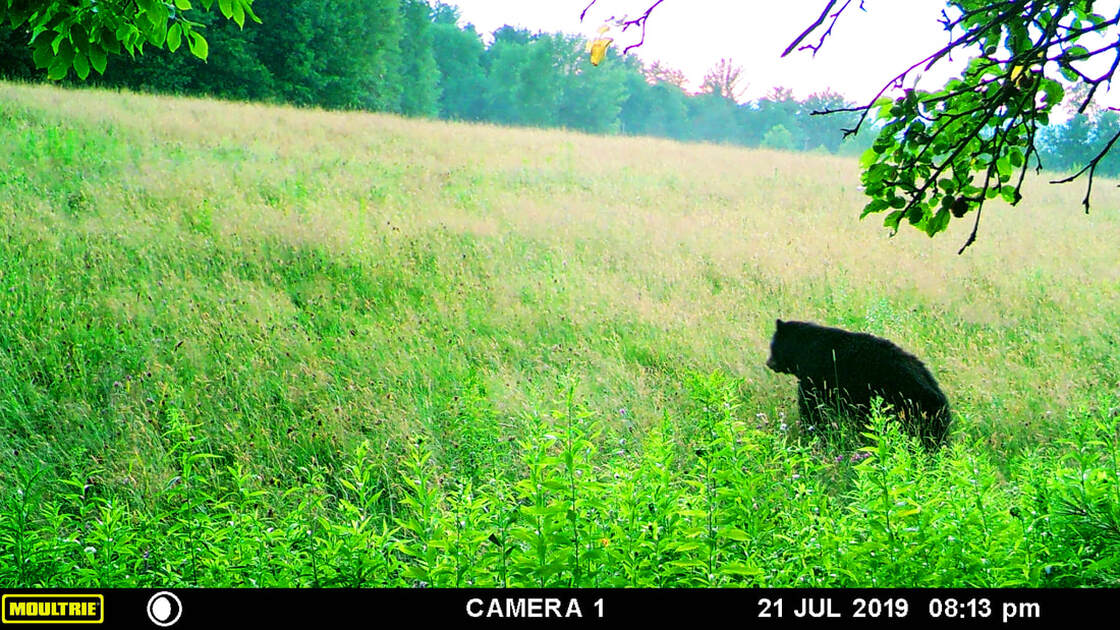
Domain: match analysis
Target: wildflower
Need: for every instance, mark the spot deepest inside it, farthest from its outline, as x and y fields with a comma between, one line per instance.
x=606, y=542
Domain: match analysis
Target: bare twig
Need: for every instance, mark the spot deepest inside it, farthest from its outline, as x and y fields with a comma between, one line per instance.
x=639, y=21
x=827, y=32
x=812, y=27
x=586, y=9
x=1091, y=168
x=975, y=231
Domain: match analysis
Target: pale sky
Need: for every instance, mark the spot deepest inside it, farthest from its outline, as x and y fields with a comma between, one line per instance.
x=866, y=48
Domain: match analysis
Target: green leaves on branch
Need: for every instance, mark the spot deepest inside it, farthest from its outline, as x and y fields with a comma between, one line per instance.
x=64, y=36
x=941, y=155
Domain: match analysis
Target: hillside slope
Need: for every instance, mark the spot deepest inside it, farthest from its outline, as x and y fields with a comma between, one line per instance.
x=282, y=285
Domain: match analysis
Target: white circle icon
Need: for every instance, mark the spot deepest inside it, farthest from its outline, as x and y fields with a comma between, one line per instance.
x=164, y=609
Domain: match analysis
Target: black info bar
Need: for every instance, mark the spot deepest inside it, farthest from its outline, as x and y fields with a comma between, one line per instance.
x=310, y=607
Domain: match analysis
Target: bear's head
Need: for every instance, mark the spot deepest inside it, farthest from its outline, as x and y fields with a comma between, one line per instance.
x=781, y=349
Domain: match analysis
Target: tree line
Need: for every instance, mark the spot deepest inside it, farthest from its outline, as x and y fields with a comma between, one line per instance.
x=412, y=58
x=416, y=59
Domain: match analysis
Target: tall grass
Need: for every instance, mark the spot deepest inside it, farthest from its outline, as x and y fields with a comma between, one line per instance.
x=246, y=345
x=751, y=508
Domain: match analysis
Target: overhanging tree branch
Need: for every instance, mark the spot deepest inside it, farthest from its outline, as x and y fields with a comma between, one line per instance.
x=940, y=154
x=820, y=20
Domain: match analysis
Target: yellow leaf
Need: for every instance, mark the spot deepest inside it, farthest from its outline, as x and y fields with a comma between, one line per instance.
x=599, y=49
x=1021, y=76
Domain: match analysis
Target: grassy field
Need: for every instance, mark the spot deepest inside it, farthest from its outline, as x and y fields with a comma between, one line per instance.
x=245, y=345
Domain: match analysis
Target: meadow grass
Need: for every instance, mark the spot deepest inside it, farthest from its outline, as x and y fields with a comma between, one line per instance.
x=257, y=345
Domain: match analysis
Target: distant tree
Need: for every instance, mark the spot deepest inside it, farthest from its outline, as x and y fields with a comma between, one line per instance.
x=660, y=73
x=458, y=56
x=377, y=40
x=539, y=86
x=724, y=79
x=778, y=137
x=419, y=71
x=777, y=108
x=671, y=115
x=823, y=131
x=1077, y=140
x=509, y=34
x=638, y=110
x=15, y=56
x=525, y=81
x=503, y=62
x=287, y=33
x=591, y=101
x=340, y=54
x=233, y=71
x=664, y=112
x=712, y=118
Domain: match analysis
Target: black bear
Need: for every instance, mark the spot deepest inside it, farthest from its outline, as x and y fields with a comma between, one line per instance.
x=834, y=367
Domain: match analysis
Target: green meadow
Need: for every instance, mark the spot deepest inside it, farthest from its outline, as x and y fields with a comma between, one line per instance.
x=248, y=345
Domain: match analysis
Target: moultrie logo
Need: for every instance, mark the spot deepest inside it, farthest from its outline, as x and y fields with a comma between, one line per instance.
x=53, y=608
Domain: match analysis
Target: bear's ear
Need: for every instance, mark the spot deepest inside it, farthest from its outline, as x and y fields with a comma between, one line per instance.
x=778, y=323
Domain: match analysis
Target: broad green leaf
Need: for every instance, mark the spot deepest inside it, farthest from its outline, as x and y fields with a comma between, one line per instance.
x=916, y=214
x=58, y=69
x=81, y=65
x=868, y=158
x=734, y=533
x=174, y=37
x=1076, y=52
x=158, y=34
x=42, y=54
x=248, y=8
x=98, y=58
x=937, y=222
x=238, y=14
x=199, y=47
x=65, y=52
x=1003, y=167
x=740, y=568
x=1054, y=92
x=893, y=219
x=875, y=205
